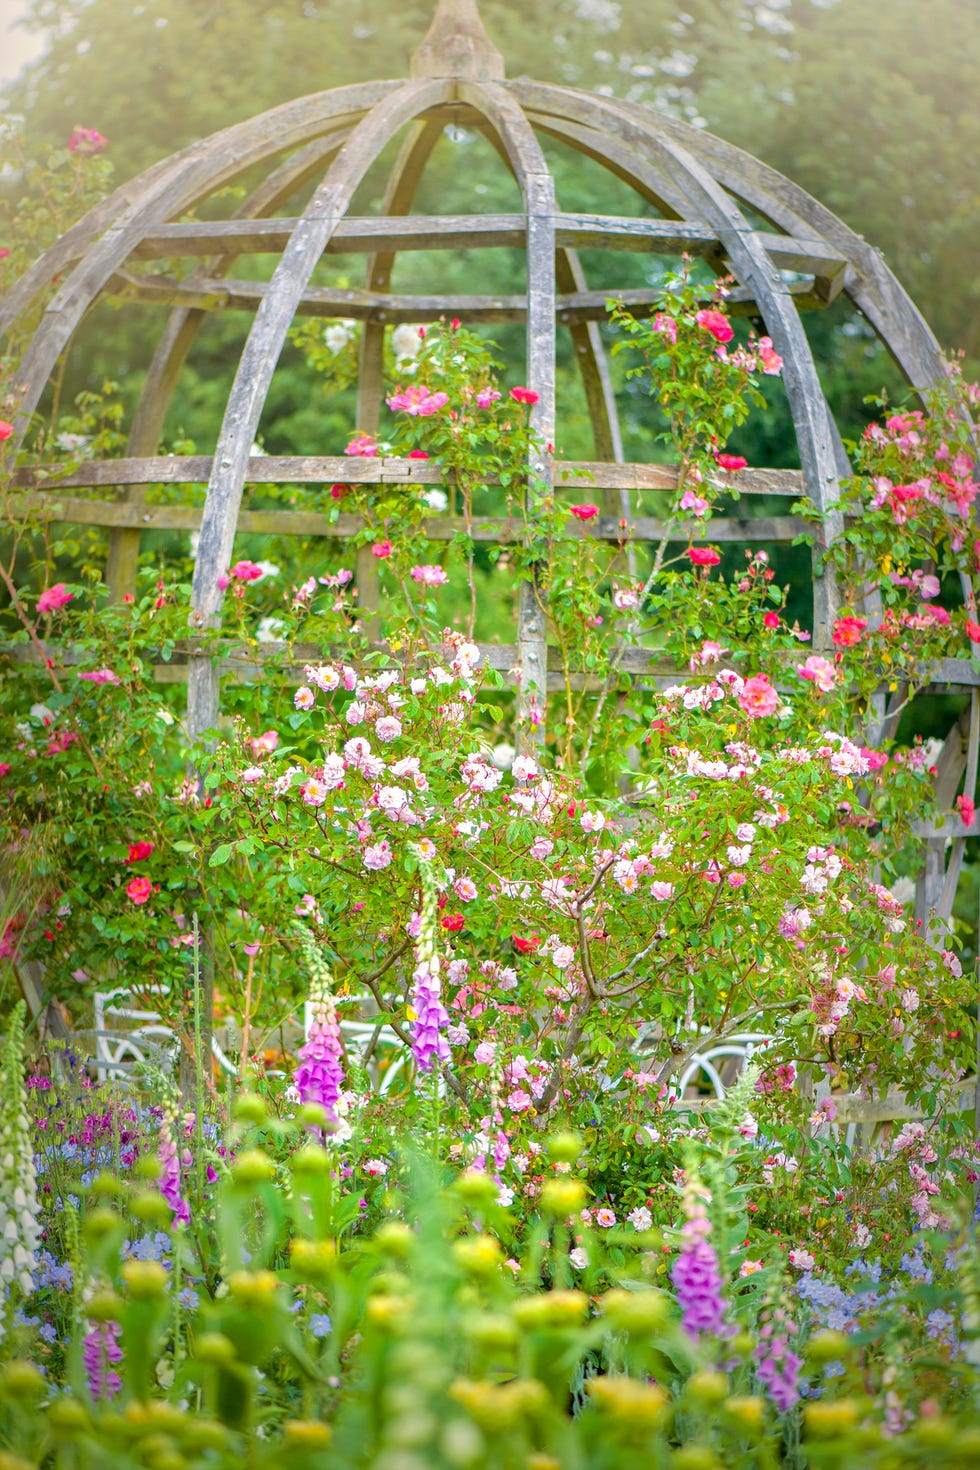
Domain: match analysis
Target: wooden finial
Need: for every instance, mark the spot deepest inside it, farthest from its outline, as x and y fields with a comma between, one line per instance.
x=457, y=46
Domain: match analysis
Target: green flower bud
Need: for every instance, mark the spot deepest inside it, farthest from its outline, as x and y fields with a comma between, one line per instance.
x=562, y=1197
x=151, y=1208
x=214, y=1347
x=101, y=1222
x=707, y=1388
x=476, y=1188
x=310, y=1160
x=636, y=1311
x=145, y=1279
x=480, y=1254
x=827, y=1347
x=104, y=1306
x=253, y=1166
x=395, y=1238
x=551, y=1309
x=21, y=1380
x=830, y=1419
x=565, y=1147
x=249, y=1108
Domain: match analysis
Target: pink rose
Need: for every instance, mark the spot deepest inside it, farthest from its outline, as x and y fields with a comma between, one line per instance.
x=55, y=597
x=717, y=323
x=758, y=698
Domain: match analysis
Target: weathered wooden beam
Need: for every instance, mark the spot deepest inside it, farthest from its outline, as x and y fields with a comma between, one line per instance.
x=358, y=236
x=273, y=469
x=211, y=294
x=327, y=206
x=48, y=506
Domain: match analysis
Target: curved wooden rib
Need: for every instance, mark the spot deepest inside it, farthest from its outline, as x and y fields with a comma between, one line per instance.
x=260, y=355
x=754, y=269
x=181, y=330
x=538, y=193
x=167, y=192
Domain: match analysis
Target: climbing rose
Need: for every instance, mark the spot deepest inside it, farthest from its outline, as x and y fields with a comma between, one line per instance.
x=704, y=556
x=5, y=430
x=429, y=576
x=417, y=400
x=821, y=671
x=486, y=396
x=584, y=512
x=757, y=697
x=966, y=808
x=973, y=630
x=381, y=549
x=524, y=395
x=85, y=140
x=665, y=324
x=772, y=363
x=55, y=597
x=139, y=851
x=246, y=571
x=847, y=631
x=771, y=620
x=717, y=323
x=100, y=676
x=525, y=946
x=139, y=889
x=362, y=446
x=730, y=462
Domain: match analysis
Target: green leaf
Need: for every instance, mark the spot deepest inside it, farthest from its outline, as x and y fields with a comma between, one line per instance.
x=221, y=854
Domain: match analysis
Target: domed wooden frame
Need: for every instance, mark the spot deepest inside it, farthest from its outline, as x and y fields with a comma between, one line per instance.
x=701, y=187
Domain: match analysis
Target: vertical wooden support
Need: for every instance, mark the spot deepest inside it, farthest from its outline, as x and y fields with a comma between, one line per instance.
x=538, y=193
x=258, y=361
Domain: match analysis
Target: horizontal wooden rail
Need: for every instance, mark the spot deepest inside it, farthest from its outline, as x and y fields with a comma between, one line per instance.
x=49, y=506
x=274, y=469
x=572, y=308
x=253, y=661
x=479, y=231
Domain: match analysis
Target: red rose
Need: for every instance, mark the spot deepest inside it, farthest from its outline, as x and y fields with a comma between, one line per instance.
x=584, y=512
x=771, y=620
x=417, y=454
x=966, y=808
x=524, y=395
x=717, y=323
x=847, y=631
x=730, y=461
x=337, y=492
x=704, y=556
x=139, y=889
x=453, y=923
x=381, y=549
x=5, y=430
x=973, y=630
x=138, y=851
x=525, y=945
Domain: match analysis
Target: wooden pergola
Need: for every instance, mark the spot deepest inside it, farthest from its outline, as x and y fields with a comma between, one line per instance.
x=706, y=194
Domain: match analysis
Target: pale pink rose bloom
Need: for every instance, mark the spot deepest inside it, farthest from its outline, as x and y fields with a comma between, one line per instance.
x=758, y=698
x=388, y=728
x=625, y=597
x=563, y=956
x=377, y=857
x=304, y=698
x=821, y=671
x=465, y=889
